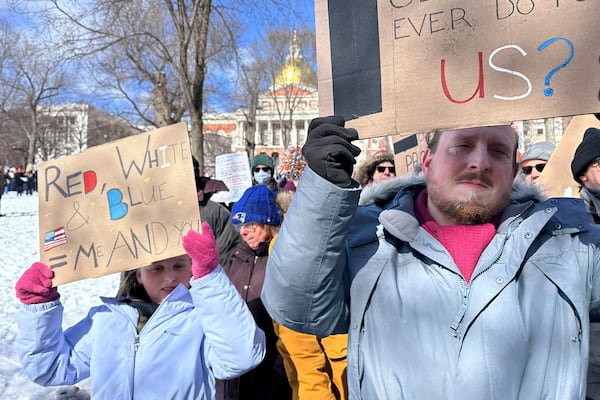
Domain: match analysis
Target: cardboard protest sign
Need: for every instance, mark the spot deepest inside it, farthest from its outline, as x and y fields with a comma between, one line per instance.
x=403, y=66
x=557, y=180
x=408, y=152
x=118, y=206
x=234, y=170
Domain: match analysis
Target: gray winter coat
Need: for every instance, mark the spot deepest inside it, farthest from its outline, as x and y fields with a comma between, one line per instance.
x=417, y=329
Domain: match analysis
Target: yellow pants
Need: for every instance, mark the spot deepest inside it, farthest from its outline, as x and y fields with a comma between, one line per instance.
x=316, y=368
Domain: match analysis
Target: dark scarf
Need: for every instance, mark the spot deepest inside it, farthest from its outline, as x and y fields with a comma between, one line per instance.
x=141, y=303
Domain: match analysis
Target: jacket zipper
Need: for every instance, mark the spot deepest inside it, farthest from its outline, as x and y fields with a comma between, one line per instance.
x=467, y=286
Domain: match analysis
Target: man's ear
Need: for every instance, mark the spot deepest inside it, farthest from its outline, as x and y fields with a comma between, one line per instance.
x=426, y=160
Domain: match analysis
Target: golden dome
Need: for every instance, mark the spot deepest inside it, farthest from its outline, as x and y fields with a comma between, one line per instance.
x=295, y=70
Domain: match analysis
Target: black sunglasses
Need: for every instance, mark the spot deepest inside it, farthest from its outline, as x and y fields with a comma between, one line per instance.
x=528, y=170
x=265, y=169
x=382, y=169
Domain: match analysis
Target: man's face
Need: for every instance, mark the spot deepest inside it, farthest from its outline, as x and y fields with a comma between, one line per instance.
x=469, y=175
x=591, y=176
x=532, y=169
x=384, y=170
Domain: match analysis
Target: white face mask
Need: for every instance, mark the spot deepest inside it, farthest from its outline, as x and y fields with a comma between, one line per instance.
x=261, y=177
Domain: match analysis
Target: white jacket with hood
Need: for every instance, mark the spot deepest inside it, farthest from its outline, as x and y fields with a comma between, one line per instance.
x=193, y=337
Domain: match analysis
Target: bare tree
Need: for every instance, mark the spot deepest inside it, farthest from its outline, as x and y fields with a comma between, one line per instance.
x=260, y=71
x=252, y=81
x=291, y=76
x=31, y=75
x=164, y=46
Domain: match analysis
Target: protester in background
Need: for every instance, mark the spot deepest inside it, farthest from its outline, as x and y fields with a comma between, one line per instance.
x=289, y=186
x=452, y=286
x=375, y=169
x=10, y=179
x=315, y=367
x=586, y=171
x=585, y=168
x=534, y=160
x=216, y=215
x=20, y=181
x=263, y=170
x=257, y=218
x=2, y=185
x=175, y=326
x=30, y=184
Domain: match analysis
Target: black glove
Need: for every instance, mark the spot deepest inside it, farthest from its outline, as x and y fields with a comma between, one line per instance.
x=328, y=150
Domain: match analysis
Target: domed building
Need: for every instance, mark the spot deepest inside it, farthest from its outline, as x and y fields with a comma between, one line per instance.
x=295, y=72
x=283, y=113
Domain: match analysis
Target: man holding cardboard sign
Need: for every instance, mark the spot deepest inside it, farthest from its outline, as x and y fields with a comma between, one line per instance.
x=451, y=286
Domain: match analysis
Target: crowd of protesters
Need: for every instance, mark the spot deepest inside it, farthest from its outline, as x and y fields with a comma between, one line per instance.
x=318, y=279
x=20, y=180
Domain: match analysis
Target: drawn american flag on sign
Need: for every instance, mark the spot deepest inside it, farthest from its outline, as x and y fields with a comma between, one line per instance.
x=54, y=238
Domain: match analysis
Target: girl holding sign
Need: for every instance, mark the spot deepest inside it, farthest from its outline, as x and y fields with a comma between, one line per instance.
x=175, y=326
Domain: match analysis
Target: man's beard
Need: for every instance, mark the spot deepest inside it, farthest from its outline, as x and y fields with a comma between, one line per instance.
x=466, y=212
x=469, y=212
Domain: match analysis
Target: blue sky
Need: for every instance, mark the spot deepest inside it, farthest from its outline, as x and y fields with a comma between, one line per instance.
x=264, y=18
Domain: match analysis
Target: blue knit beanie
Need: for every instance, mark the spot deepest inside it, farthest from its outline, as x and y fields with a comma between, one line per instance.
x=257, y=204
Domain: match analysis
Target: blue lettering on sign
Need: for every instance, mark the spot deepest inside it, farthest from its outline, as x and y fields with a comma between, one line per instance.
x=117, y=208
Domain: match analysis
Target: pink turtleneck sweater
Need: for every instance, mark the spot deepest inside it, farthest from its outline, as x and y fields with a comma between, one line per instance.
x=465, y=243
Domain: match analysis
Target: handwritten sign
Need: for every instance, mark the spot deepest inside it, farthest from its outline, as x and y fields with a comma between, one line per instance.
x=118, y=206
x=404, y=66
x=234, y=170
x=408, y=152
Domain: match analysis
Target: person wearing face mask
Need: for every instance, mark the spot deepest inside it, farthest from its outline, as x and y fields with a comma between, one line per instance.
x=263, y=169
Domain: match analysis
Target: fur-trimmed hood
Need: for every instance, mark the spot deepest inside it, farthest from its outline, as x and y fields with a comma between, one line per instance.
x=385, y=191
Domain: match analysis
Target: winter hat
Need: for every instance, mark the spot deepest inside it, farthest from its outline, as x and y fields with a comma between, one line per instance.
x=257, y=204
x=587, y=151
x=538, y=151
x=289, y=186
x=263, y=159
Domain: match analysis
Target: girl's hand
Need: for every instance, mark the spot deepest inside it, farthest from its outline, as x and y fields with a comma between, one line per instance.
x=35, y=285
x=202, y=248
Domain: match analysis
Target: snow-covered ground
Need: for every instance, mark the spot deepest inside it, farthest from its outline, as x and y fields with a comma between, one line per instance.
x=19, y=248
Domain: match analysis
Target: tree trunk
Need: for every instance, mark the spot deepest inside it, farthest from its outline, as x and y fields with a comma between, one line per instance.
x=251, y=132
x=160, y=101
x=194, y=96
